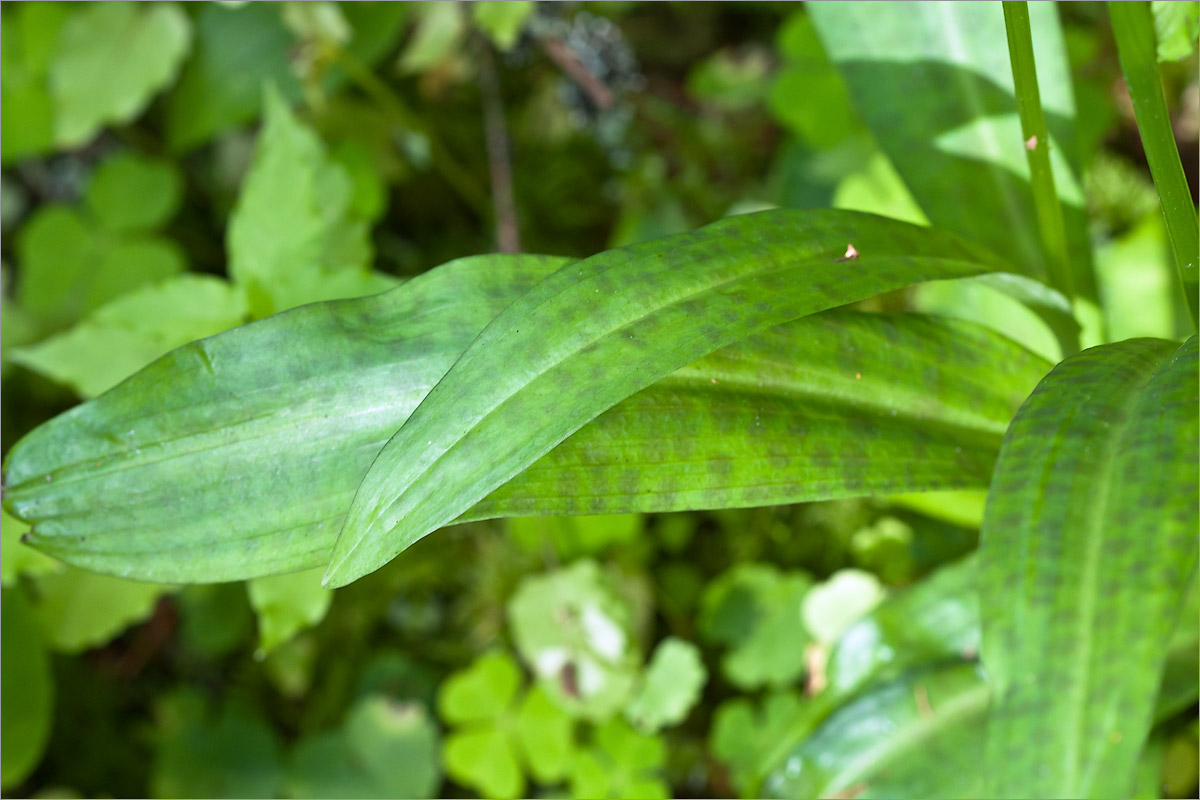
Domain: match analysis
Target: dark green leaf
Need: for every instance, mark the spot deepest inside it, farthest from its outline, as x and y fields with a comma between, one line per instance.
x=264, y=444
x=602, y=329
x=1088, y=545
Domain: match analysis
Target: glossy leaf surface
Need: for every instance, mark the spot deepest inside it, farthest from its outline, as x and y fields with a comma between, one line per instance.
x=262, y=445
x=1088, y=547
x=604, y=328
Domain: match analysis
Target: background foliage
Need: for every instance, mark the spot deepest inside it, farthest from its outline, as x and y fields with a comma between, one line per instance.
x=171, y=171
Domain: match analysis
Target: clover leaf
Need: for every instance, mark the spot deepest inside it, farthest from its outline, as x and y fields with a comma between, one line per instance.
x=497, y=739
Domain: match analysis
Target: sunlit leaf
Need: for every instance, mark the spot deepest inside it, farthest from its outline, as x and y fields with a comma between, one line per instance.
x=669, y=687
x=287, y=604
x=78, y=610
x=111, y=59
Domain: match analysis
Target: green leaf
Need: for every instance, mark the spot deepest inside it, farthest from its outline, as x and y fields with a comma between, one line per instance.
x=623, y=763
x=545, y=733
x=1177, y=25
x=126, y=334
x=28, y=689
x=934, y=84
x=130, y=192
x=268, y=443
x=293, y=224
x=80, y=610
x=920, y=736
x=17, y=558
x=483, y=691
x=286, y=605
x=111, y=59
x=230, y=754
x=238, y=50
x=835, y=604
x=573, y=629
x=757, y=611
x=601, y=329
x=669, y=687
x=502, y=21
x=741, y=734
x=485, y=758
x=30, y=35
x=384, y=749
x=1088, y=544
x=439, y=27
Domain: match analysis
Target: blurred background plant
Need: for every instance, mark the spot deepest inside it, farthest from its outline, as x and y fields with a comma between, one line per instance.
x=170, y=171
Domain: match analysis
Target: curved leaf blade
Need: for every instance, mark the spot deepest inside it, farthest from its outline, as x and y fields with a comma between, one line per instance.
x=1088, y=547
x=248, y=469
x=604, y=328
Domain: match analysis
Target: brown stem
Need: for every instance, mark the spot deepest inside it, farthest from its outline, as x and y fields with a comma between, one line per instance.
x=508, y=238
x=596, y=90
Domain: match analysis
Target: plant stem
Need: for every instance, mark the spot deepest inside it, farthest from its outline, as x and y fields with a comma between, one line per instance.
x=1037, y=148
x=508, y=238
x=1133, y=27
x=459, y=178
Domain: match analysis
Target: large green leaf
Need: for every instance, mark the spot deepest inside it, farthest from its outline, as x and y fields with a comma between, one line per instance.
x=604, y=328
x=1088, y=546
x=238, y=456
x=933, y=82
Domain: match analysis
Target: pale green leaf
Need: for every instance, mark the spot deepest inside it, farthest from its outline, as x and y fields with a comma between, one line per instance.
x=484, y=758
x=545, y=733
x=79, y=610
x=1176, y=25
x=28, y=689
x=502, y=21
x=439, y=27
x=573, y=629
x=1088, y=546
x=111, y=59
x=123, y=336
x=669, y=687
x=834, y=605
x=604, y=328
x=286, y=605
x=292, y=225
